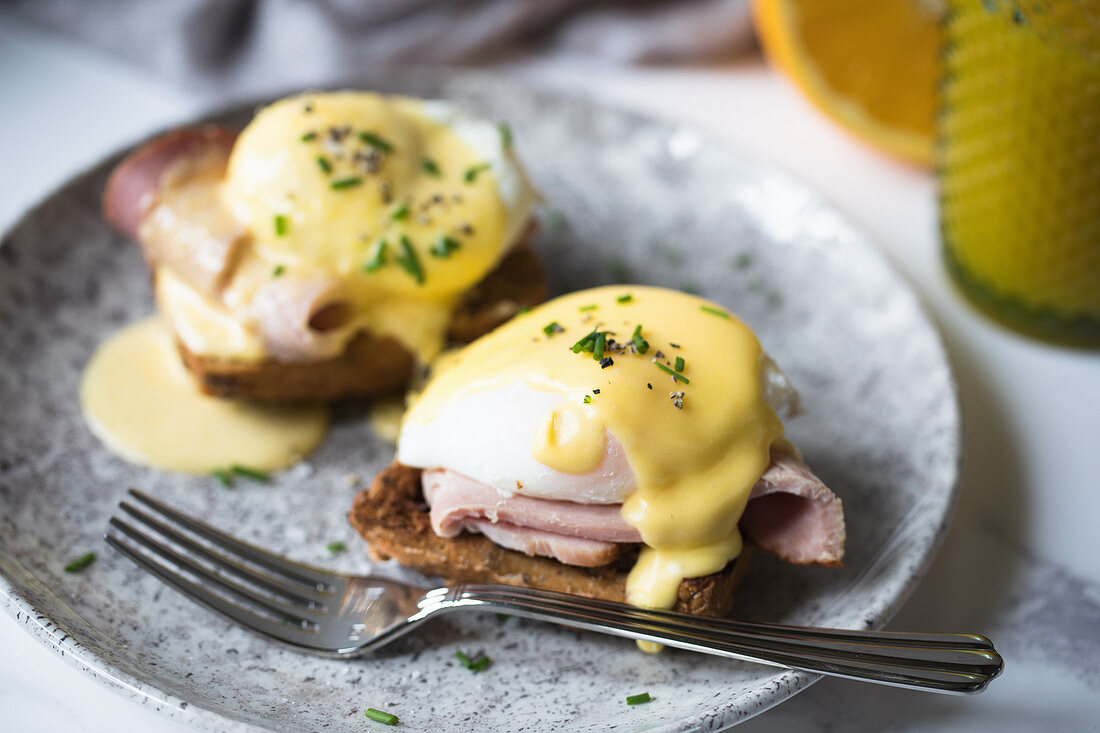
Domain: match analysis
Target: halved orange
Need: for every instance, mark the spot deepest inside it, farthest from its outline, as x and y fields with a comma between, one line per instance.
x=871, y=65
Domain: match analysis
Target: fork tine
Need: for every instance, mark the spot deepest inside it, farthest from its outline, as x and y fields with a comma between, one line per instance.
x=282, y=630
x=280, y=610
x=296, y=593
x=309, y=575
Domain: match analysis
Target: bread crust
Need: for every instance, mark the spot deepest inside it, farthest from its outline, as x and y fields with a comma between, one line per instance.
x=393, y=519
x=370, y=364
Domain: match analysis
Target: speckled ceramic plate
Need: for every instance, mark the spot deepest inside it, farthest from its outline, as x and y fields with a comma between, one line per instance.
x=630, y=199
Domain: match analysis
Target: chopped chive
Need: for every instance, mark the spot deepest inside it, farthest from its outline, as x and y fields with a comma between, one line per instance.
x=691, y=288
x=638, y=699
x=430, y=167
x=679, y=366
x=502, y=617
x=472, y=172
x=323, y=164
x=335, y=547
x=585, y=343
x=349, y=182
x=309, y=136
x=598, y=346
x=282, y=224
x=640, y=344
x=775, y=299
x=555, y=220
x=409, y=262
x=590, y=307
x=626, y=298
x=377, y=256
x=376, y=142
x=250, y=473
x=551, y=328
x=673, y=254
x=714, y=311
x=223, y=477
x=677, y=377
x=381, y=716
x=505, y=135
x=77, y=564
x=400, y=213
x=587, y=399
x=444, y=246
x=478, y=664
x=742, y=261
x=278, y=271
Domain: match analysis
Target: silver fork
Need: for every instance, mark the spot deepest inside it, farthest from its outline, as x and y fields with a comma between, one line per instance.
x=319, y=612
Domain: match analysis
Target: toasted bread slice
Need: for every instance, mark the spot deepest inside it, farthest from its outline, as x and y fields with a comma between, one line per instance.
x=392, y=517
x=370, y=364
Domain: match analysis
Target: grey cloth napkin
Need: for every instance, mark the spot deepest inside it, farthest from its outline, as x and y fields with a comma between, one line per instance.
x=241, y=44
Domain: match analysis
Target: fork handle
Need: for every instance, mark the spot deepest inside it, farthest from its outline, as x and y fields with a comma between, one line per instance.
x=948, y=663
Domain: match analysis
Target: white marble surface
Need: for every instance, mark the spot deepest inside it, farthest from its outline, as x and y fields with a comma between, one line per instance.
x=1020, y=563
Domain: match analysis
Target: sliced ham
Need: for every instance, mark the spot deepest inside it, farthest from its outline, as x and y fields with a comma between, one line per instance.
x=302, y=318
x=456, y=499
x=568, y=549
x=790, y=513
x=166, y=195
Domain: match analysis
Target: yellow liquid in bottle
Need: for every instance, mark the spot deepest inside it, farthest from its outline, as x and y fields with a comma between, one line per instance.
x=1019, y=162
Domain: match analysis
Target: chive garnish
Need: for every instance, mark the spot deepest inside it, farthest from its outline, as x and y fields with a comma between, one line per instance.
x=638, y=699
x=250, y=473
x=505, y=135
x=677, y=377
x=587, y=399
x=742, y=261
x=377, y=256
x=640, y=344
x=278, y=271
x=626, y=298
x=477, y=664
x=381, y=716
x=430, y=167
x=586, y=343
x=309, y=136
x=444, y=246
x=471, y=173
x=323, y=164
x=349, y=182
x=335, y=547
x=281, y=225
x=223, y=477
x=590, y=307
x=679, y=366
x=409, y=262
x=502, y=617
x=376, y=142
x=598, y=346
x=400, y=213
x=714, y=311
x=551, y=328
x=77, y=564
x=775, y=299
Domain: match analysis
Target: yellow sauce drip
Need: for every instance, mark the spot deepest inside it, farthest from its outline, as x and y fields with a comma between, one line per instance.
x=139, y=400
x=694, y=466
x=568, y=441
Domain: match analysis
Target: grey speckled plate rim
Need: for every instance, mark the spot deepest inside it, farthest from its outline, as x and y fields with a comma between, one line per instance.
x=66, y=641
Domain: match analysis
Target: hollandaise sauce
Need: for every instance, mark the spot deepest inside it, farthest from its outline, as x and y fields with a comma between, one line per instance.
x=674, y=379
x=140, y=401
x=398, y=205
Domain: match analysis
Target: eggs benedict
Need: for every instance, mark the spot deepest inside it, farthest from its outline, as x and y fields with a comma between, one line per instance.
x=339, y=240
x=621, y=442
